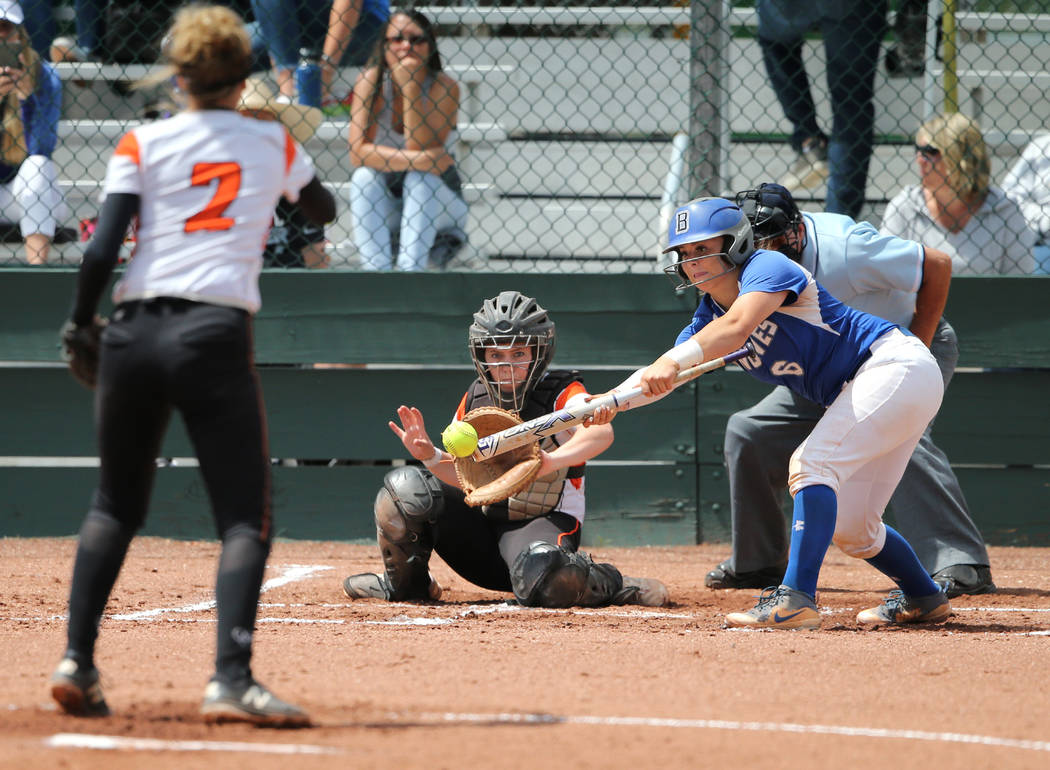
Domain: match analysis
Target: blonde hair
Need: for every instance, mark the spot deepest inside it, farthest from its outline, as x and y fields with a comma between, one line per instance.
x=209, y=47
x=965, y=155
x=13, y=148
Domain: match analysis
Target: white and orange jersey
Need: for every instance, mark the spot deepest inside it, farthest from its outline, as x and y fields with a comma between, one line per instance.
x=208, y=182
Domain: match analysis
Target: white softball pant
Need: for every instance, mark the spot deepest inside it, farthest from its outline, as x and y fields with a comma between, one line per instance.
x=862, y=444
x=33, y=199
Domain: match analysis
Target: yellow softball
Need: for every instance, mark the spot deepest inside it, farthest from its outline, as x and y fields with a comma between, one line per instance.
x=460, y=438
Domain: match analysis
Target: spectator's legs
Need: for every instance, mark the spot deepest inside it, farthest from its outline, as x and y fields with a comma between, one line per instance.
x=342, y=20
x=279, y=21
x=907, y=57
x=36, y=190
x=787, y=76
x=91, y=20
x=782, y=25
x=429, y=207
x=852, y=47
x=363, y=41
x=375, y=213
x=40, y=24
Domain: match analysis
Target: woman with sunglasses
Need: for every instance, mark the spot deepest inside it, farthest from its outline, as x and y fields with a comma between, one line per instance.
x=405, y=195
x=955, y=208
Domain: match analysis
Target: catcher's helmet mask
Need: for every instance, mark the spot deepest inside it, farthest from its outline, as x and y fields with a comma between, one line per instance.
x=774, y=214
x=505, y=321
x=702, y=219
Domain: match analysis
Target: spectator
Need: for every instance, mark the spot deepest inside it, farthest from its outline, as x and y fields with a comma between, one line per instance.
x=852, y=32
x=405, y=194
x=30, y=101
x=1028, y=183
x=39, y=23
x=346, y=28
x=906, y=58
x=294, y=240
x=115, y=31
x=353, y=28
x=955, y=209
x=894, y=279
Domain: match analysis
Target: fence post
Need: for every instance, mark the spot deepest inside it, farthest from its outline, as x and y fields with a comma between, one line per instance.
x=707, y=45
x=951, y=76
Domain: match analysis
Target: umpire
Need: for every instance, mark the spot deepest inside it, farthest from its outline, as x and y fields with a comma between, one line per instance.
x=886, y=276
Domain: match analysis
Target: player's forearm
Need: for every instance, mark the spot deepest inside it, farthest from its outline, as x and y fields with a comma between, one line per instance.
x=101, y=254
x=384, y=158
x=932, y=295
x=586, y=443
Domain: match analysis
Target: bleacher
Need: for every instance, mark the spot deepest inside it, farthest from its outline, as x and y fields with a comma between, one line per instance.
x=565, y=141
x=569, y=176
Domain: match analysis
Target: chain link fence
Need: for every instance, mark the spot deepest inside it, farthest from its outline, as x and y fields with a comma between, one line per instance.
x=576, y=128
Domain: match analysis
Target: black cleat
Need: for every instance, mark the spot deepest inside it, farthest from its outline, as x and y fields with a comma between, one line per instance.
x=368, y=585
x=77, y=691
x=249, y=701
x=960, y=579
x=723, y=577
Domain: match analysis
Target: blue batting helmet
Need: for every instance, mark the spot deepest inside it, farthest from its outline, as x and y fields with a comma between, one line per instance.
x=705, y=218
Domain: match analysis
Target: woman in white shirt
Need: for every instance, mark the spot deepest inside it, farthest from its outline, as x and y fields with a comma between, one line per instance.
x=1028, y=183
x=955, y=208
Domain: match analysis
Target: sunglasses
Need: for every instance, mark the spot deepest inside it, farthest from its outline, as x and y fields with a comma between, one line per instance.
x=928, y=151
x=411, y=39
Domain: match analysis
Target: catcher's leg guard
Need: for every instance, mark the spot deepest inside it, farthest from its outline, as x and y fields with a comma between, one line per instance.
x=546, y=575
x=408, y=504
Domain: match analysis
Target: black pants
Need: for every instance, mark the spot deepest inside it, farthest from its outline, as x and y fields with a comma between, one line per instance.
x=164, y=354
x=481, y=549
x=159, y=355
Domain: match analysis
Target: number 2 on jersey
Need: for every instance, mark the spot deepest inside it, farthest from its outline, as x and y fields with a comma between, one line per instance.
x=210, y=217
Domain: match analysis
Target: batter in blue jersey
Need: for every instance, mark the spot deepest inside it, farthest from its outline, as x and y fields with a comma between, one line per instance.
x=812, y=343
x=880, y=384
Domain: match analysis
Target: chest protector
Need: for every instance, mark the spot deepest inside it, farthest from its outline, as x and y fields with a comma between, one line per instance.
x=544, y=494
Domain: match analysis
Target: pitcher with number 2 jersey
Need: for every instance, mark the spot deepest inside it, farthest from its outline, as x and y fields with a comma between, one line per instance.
x=201, y=187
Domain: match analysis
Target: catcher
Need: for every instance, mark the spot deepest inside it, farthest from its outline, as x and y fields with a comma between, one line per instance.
x=527, y=542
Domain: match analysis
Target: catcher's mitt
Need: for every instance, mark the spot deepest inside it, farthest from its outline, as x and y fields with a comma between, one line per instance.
x=80, y=350
x=501, y=476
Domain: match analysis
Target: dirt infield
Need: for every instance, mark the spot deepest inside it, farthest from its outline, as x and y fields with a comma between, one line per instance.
x=476, y=681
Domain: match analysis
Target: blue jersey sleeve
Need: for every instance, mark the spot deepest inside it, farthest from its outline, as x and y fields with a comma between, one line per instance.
x=770, y=272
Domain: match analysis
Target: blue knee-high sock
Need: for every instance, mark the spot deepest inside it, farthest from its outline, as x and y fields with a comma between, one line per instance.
x=812, y=526
x=898, y=562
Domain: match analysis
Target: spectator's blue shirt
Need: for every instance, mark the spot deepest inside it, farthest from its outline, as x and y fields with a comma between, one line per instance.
x=379, y=8
x=40, y=113
x=813, y=344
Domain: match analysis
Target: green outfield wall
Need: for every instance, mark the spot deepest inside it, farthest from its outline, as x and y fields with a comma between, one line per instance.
x=339, y=351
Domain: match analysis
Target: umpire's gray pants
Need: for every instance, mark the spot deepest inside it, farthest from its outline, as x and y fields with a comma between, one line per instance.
x=928, y=505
